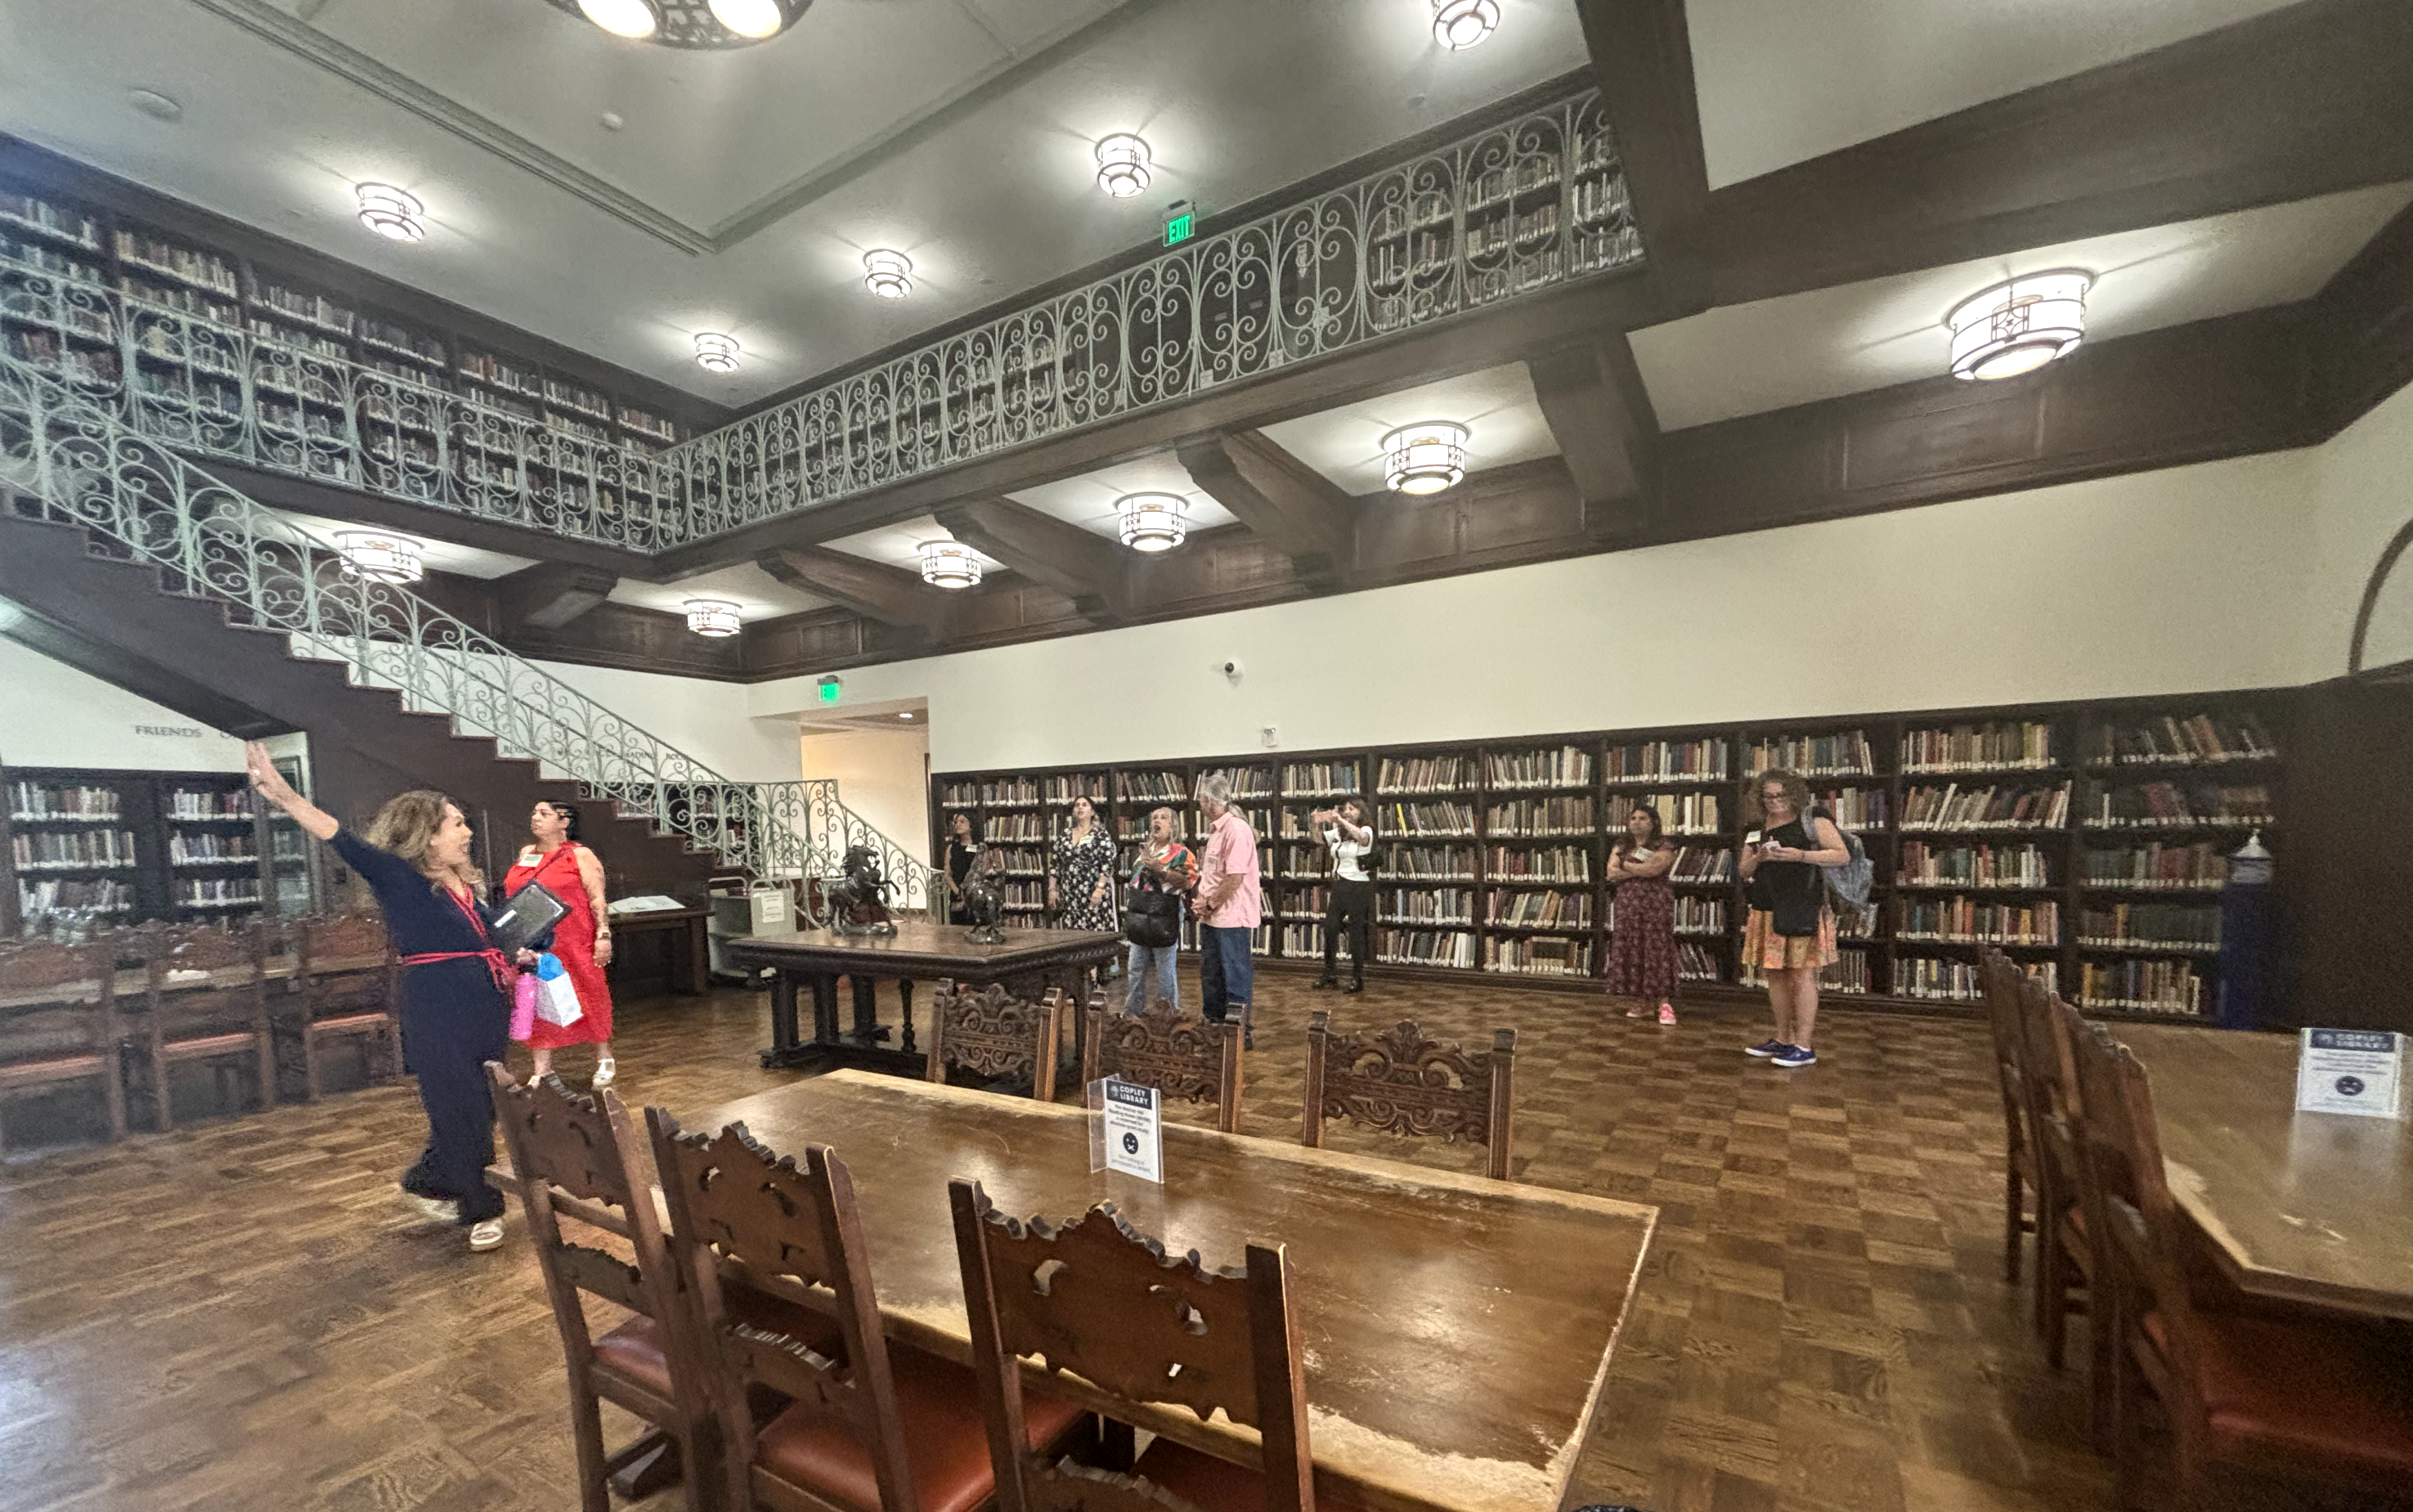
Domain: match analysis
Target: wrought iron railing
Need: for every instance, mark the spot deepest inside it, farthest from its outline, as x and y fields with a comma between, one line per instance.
x=1524, y=205
x=67, y=459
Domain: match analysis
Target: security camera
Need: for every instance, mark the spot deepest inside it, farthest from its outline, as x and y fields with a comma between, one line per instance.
x=1232, y=668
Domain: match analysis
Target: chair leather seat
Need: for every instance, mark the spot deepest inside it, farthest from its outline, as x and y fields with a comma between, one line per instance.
x=946, y=1443
x=2304, y=1389
x=42, y=1073
x=638, y=1351
x=1215, y=1485
x=208, y=1044
x=349, y=1023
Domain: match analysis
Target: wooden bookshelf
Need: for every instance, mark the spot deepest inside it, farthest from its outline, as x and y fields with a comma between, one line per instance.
x=2035, y=827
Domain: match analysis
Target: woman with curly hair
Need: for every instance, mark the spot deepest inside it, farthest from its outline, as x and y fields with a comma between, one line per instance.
x=1791, y=931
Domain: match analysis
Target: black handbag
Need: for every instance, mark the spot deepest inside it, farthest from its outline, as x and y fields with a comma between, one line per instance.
x=1153, y=919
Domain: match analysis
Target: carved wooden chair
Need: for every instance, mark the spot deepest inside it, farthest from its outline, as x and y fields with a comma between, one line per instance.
x=2286, y=1394
x=349, y=985
x=1401, y=1082
x=59, y=1025
x=2065, y=1251
x=206, y=1001
x=576, y=1157
x=990, y=1032
x=2001, y=981
x=1163, y=1048
x=867, y=1428
x=1102, y=1302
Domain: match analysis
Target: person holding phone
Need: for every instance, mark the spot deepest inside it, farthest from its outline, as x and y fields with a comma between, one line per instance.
x=1350, y=904
x=1790, y=934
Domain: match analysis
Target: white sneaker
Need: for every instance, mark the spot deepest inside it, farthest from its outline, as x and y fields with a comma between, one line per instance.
x=605, y=1070
x=484, y=1236
x=431, y=1209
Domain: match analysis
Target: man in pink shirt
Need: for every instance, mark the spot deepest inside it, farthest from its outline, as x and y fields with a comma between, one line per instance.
x=1226, y=905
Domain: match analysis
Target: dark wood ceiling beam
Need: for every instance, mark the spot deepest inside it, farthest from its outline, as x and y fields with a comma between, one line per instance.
x=875, y=590
x=1288, y=503
x=1642, y=56
x=1592, y=395
x=551, y=594
x=1090, y=570
x=2364, y=324
x=2304, y=100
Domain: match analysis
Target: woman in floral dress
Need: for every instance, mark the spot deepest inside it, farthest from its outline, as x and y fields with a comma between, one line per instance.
x=1643, y=934
x=1081, y=887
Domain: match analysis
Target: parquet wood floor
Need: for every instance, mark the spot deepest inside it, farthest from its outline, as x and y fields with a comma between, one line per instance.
x=239, y=1316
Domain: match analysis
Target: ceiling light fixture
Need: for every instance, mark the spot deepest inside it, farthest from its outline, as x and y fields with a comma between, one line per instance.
x=690, y=24
x=711, y=617
x=1425, y=458
x=1153, y=521
x=907, y=715
x=888, y=274
x=1122, y=165
x=155, y=105
x=949, y=564
x=2020, y=326
x=1460, y=24
x=380, y=557
x=715, y=353
x=393, y=214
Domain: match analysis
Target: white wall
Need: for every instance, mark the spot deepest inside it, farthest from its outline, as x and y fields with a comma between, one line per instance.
x=879, y=775
x=2182, y=580
x=708, y=720
x=51, y=715
x=2365, y=482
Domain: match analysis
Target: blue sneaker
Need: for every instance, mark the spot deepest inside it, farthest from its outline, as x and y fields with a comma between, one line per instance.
x=1765, y=1048
x=1793, y=1058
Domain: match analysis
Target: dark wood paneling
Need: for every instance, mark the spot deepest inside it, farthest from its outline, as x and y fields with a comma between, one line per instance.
x=1642, y=58
x=2362, y=325
x=2348, y=800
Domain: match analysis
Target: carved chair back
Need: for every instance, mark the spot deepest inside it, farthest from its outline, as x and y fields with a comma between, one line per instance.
x=59, y=1022
x=743, y=1219
x=343, y=957
x=1099, y=1300
x=206, y=997
x=2001, y=982
x=1163, y=1048
x=990, y=1032
x=1403, y=1082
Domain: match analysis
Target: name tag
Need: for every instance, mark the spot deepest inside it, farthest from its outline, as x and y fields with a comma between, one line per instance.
x=2356, y=1071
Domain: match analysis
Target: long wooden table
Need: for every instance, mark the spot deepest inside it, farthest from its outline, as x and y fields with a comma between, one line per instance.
x=1029, y=963
x=1456, y=1330
x=2312, y=1208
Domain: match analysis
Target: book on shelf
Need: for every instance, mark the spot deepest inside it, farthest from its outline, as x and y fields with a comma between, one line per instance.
x=1029, y=824
x=1945, y=980
x=1319, y=780
x=1567, y=815
x=1700, y=864
x=1302, y=940
x=1849, y=975
x=1995, y=805
x=1424, y=947
x=1151, y=787
x=2170, y=739
x=962, y=795
x=294, y=305
x=1430, y=862
x=2174, y=987
x=1539, y=955
x=1426, y=818
x=1425, y=905
x=1426, y=774
x=2151, y=927
x=208, y=804
x=1859, y=810
x=1306, y=902
x=1534, y=909
x=58, y=908
x=2156, y=866
x=1688, y=761
x=1680, y=813
x=44, y=800
x=1695, y=914
x=1696, y=962
x=1842, y=753
x=2171, y=805
x=1010, y=790
x=1552, y=864
x=1566, y=766
x=1968, y=921
x=1972, y=866
x=1248, y=782
x=82, y=847
x=1978, y=747
x=190, y=263
x=58, y=220
x=1064, y=790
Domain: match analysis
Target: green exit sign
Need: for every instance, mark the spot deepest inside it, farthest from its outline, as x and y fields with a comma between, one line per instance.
x=1180, y=224
x=831, y=689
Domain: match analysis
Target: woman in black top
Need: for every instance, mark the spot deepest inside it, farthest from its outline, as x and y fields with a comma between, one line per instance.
x=963, y=849
x=1791, y=932
x=456, y=983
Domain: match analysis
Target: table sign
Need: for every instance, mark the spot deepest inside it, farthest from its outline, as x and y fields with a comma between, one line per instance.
x=2351, y=1071
x=1128, y=1133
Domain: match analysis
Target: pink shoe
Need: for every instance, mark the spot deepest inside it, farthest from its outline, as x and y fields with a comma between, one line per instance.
x=1667, y=1013
x=1634, y=1012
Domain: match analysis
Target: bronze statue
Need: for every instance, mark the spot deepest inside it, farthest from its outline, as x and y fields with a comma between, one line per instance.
x=859, y=904
x=985, y=901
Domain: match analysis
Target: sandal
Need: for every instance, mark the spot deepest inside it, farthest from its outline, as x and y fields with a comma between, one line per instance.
x=605, y=1071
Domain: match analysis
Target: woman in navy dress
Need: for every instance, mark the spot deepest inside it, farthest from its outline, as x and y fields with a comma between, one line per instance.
x=455, y=983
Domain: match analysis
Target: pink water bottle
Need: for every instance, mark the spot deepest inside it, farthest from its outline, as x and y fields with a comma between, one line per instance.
x=524, y=1007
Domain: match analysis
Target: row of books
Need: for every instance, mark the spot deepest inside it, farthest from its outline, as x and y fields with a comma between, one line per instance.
x=1977, y=748
x=1064, y=790
x=1427, y=819
x=1425, y=905
x=1956, y=981
x=1530, y=909
x=1426, y=774
x=2152, y=803
x=1680, y=813
x=1695, y=865
x=1304, y=903
x=1696, y=962
x=1848, y=975
x=2198, y=737
x=217, y=892
x=1993, y=807
x=60, y=220
x=1567, y=766
x=1303, y=941
x=2149, y=925
x=221, y=803
x=1010, y=790
x=1431, y=863
x=1538, y=955
x=1855, y=809
x=1424, y=947
x=961, y=795
x=1966, y=921
x=1844, y=754
x=36, y=902
x=37, y=800
x=1540, y=816
x=1972, y=866
x=2150, y=986
x=50, y=849
x=1247, y=781
x=1151, y=787
x=1317, y=778
x=1557, y=864
x=1011, y=827
x=2158, y=868
x=1690, y=761
x=183, y=262
x=1696, y=913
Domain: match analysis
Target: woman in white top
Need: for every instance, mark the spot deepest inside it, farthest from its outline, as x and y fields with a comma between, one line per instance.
x=1345, y=832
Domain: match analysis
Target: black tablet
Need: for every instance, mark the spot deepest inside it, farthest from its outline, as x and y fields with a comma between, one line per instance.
x=524, y=917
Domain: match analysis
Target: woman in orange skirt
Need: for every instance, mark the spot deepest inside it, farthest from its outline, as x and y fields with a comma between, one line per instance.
x=582, y=941
x=1791, y=932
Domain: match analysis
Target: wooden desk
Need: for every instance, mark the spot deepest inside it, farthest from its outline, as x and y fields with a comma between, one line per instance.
x=2314, y=1208
x=1030, y=962
x=1456, y=1330
x=682, y=935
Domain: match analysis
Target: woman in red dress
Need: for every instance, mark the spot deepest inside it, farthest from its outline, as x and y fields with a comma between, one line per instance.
x=581, y=941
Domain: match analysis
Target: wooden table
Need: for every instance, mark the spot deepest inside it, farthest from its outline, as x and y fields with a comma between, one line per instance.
x=683, y=935
x=2312, y=1208
x=1456, y=1330
x=1030, y=962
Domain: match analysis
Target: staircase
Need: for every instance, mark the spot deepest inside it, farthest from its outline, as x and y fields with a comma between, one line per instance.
x=145, y=570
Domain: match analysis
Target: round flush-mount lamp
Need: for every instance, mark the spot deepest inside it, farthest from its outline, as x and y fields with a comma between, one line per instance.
x=1122, y=165
x=380, y=556
x=1425, y=458
x=711, y=617
x=1153, y=521
x=715, y=353
x=2020, y=326
x=888, y=274
x=690, y=24
x=393, y=214
x=949, y=564
x=1460, y=24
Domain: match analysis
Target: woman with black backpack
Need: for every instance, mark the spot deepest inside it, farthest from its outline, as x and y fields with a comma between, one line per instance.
x=1791, y=931
x=1152, y=923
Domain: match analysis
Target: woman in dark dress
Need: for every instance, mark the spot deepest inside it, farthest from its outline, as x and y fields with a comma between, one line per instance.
x=963, y=851
x=455, y=983
x=1642, y=935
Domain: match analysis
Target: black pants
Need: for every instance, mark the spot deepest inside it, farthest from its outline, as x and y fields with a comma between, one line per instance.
x=447, y=1046
x=1353, y=903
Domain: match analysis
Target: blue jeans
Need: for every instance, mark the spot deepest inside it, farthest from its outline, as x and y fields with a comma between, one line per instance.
x=1168, y=985
x=1225, y=972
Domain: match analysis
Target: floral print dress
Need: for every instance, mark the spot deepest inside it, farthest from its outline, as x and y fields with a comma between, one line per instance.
x=1080, y=866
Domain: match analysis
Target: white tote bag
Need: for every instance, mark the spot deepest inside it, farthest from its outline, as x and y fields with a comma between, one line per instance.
x=556, y=999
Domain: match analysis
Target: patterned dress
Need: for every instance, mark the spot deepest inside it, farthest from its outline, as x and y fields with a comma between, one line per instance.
x=1642, y=941
x=573, y=943
x=1079, y=868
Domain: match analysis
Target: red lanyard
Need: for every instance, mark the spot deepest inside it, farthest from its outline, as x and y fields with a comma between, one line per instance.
x=496, y=966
